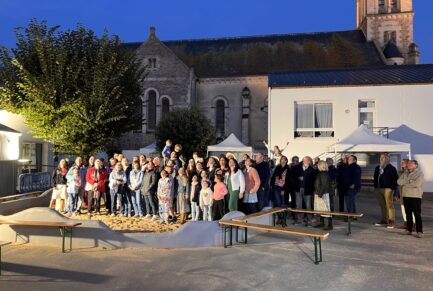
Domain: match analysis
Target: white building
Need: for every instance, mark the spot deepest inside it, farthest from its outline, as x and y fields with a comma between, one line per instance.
x=313, y=110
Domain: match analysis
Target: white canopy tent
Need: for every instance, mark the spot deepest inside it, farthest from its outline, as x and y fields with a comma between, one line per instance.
x=230, y=145
x=363, y=140
x=150, y=150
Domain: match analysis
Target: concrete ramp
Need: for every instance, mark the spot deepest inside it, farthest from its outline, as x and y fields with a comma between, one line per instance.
x=96, y=234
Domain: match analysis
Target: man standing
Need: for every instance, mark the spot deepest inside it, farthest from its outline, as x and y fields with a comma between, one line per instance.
x=341, y=168
x=263, y=193
x=352, y=183
x=412, y=183
x=385, y=181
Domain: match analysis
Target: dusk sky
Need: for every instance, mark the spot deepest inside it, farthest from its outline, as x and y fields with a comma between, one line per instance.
x=176, y=19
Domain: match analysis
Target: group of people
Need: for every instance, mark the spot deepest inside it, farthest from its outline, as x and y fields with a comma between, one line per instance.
x=171, y=188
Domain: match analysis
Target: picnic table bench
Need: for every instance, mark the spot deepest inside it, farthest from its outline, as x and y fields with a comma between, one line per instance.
x=65, y=227
x=2, y=243
x=315, y=235
x=331, y=213
x=262, y=213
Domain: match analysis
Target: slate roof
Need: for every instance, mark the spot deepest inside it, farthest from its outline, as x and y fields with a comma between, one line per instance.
x=5, y=128
x=392, y=51
x=193, y=51
x=386, y=75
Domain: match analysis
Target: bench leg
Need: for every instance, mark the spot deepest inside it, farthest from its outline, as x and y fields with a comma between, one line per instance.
x=273, y=219
x=320, y=249
x=349, y=226
x=230, y=235
x=237, y=233
x=70, y=240
x=224, y=228
x=246, y=235
x=316, y=257
x=62, y=232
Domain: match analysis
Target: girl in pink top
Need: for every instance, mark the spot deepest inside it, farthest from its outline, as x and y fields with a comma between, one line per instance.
x=220, y=191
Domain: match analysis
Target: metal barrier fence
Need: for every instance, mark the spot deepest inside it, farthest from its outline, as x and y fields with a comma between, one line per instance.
x=34, y=182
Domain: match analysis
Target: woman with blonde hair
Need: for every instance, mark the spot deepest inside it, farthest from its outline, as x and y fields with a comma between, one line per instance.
x=182, y=195
x=322, y=188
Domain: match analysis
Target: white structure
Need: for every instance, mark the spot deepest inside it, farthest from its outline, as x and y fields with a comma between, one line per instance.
x=230, y=145
x=315, y=110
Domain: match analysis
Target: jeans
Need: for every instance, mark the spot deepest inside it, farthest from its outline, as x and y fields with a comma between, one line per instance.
x=413, y=206
x=71, y=199
x=136, y=198
x=279, y=200
x=207, y=213
x=126, y=201
x=79, y=199
x=195, y=211
x=300, y=197
x=350, y=200
x=148, y=200
x=116, y=197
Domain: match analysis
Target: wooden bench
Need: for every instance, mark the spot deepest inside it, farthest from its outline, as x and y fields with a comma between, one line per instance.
x=330, y=213
x=315, y=235
x=65, y=227
x=2, y=243
x=266, y=212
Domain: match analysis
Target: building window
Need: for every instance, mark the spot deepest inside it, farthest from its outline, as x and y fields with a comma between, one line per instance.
x=390, y=35
x=165, y=107
x=33, y=153
x=395, y=7
x=366, y=113
x=314, y=120
x=220, y=118
x=151, y=63
x=393, y=36
x=151, y=110
x=382, y=6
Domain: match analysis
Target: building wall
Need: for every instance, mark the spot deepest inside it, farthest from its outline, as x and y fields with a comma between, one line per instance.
x=395, y=105
x=230, y=90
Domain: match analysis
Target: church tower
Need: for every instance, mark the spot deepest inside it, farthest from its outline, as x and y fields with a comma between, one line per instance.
x=389, y=23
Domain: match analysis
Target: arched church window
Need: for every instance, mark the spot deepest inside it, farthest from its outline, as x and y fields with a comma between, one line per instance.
x=151, y=110
x=220, y=117
x=382, y=6
x=395, y=7
x=165, y=106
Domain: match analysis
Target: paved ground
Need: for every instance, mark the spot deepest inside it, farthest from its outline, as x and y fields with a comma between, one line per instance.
x=372, y=259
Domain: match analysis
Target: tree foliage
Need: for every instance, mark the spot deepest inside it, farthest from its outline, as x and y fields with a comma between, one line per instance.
x=188, y=127
x=76, y=90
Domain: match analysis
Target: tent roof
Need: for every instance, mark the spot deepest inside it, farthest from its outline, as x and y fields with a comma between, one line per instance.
x=230, y=144
x=364, y=140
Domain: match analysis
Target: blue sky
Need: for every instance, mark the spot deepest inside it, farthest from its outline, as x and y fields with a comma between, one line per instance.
x=184, y=19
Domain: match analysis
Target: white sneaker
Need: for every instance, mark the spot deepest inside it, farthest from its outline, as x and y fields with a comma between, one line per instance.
x=155, y=217
x=148, y=216
x=112, y=215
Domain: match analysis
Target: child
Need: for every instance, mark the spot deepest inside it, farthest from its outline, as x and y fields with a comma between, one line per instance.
x=74, y=183
x=117, y=182
x=194, y=195
x=206, y=196
x=166, y=152
x=218, y=205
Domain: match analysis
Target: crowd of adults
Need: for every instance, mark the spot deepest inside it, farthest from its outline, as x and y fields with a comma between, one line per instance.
x=171, y=188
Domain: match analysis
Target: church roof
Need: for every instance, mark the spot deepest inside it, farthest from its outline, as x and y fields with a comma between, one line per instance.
x=386, y=75
x=392, y=51
x=258, y=55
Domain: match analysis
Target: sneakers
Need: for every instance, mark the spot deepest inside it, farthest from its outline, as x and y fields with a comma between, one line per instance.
x=380, y=223
x=148, y=216
x=419, y=235
x=390, y=225
x=155, y=217
x=112, y=215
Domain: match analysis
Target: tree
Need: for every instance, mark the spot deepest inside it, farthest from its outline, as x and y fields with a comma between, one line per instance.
x=343, y=53
x=74, y=89
x=188, y=127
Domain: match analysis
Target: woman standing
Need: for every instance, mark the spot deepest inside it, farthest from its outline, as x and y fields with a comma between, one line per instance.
x=96, y=178
x=322, y=188
x=194, y=196
x=165, y=196
x=135, y=181
x=279, y=183
x=235, y=184
x=117, y=183
x=182, y=195
x=59, y=183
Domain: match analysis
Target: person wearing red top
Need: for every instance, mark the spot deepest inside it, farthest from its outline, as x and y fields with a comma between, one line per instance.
x=220, y=191
x=96, y=178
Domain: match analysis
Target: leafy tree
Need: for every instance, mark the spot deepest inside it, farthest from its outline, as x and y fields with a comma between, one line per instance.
x=342, y=53
x=74, y=89
x=188, y=127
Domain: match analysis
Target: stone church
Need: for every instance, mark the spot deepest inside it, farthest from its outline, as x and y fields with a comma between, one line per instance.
x=227, y=78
